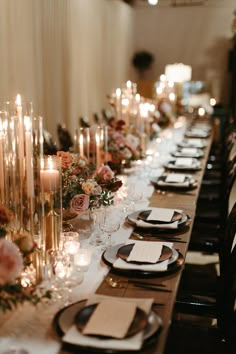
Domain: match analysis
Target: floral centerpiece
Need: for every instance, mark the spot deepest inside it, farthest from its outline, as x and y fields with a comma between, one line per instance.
x=82, y=187
x=14, y=258
x=123, y=146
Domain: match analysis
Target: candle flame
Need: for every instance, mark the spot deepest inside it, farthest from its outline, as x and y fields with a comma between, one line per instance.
x=118, y=92
x=18, y=99
x=27, y=122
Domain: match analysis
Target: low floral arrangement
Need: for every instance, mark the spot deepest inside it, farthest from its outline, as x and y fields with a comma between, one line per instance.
x=82, y=187
x=123, y=146
x=14, y=258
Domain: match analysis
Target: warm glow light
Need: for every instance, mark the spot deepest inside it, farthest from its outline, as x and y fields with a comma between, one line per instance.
x=18, y=100
x=159, y=90
x=172, y=96
x=162, y=77
x=125, y=101
x=152, y=107
x=118, y=92
x=178, y=72
x=212, y=101
x=128, y=84
x=27, y=122
x=201, y=112
x=137, y=97
x=153, y=2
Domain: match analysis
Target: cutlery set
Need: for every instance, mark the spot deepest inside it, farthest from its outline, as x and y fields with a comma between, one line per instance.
x=164, y=238
x=138, y=284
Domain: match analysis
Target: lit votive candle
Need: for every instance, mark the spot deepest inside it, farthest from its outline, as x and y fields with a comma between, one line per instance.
x=83, y=259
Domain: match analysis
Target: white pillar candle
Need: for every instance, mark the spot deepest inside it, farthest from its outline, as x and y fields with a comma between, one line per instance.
x=50, y=177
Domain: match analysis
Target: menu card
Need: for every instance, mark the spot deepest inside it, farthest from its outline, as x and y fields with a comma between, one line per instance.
x=195, y=142
x=189, y=151
x=156, y=267
x=175, y=178
x=162, y=214
x=184, y=162
x=111, y=318
x=149, y=252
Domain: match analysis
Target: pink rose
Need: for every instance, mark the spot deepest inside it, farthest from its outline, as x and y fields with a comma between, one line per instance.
x=66, y=158
x=105, y=174
x=80, y=202
x=11, y=262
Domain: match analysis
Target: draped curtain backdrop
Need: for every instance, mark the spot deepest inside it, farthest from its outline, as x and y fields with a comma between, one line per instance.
x=64, y=55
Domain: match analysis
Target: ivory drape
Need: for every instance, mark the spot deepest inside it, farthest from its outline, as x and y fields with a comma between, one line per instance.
x=64, y=55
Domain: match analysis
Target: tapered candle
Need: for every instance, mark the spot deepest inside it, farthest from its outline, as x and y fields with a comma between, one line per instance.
x=29, y=157
x=20, y=136
x=98, y=152
x=2, y=179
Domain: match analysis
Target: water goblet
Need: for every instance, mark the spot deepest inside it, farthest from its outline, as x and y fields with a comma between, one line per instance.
x=109, y=223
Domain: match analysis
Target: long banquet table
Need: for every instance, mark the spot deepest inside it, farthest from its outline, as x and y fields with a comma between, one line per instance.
x=31, y=327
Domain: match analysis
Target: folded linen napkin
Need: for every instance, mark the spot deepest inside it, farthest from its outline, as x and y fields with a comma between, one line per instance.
x=73, y=336
x=149, y=252
x=157, y=267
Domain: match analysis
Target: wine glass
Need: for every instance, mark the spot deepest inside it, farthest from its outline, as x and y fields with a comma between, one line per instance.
x=109, y=223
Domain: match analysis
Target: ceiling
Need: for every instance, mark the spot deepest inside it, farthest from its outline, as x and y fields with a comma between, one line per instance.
x=177, y=3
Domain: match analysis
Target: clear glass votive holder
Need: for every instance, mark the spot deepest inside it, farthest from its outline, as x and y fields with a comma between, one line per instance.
x=70, y=243
x=83, y=259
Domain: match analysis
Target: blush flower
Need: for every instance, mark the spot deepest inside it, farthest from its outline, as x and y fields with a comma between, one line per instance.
x=91, y=187
x=66, y=158
x=105, y=174
x=80, y=202
x=11, y=262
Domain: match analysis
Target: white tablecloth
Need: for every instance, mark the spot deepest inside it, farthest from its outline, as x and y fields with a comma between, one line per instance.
x=30, y=327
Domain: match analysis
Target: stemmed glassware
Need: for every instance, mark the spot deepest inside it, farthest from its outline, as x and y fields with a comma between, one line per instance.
x=109, y=222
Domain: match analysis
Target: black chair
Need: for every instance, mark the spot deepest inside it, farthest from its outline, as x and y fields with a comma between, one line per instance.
x=49, y=145
x=64, y=138
x=192, y=329
x=210, y=226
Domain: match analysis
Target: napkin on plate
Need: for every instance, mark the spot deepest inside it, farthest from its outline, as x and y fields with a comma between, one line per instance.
x=73, y=336
x=157, y=267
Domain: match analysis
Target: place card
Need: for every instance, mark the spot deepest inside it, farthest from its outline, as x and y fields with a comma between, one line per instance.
x=175, y=178
x=111, y=318
x=162, y=214
x=146, y=252
x=184, y=162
